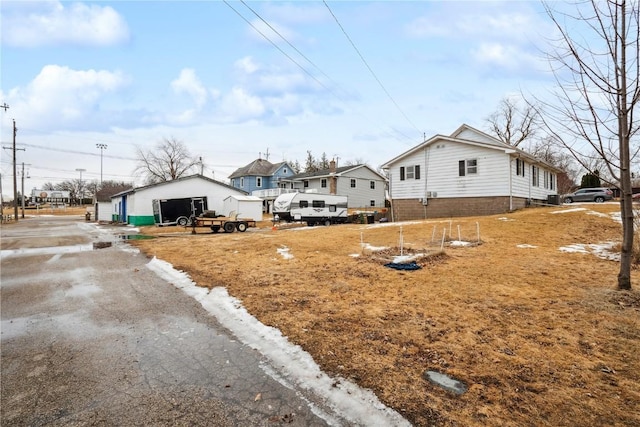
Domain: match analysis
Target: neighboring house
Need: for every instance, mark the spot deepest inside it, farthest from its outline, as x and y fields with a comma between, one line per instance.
x=263, y=179
x=134, y=206
x=467, y=173
x=363, y=186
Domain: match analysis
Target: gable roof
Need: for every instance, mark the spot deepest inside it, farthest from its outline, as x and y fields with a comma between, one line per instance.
x=466, y=134
x=259, y=167
x=343, y=170
x=184, y=178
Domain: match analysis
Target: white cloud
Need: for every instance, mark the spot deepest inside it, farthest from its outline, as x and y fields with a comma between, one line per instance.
x=61, y=95
x=504, y=56
x=190, y=84
x=246, y=65
x=53, y=23
x=239, y=105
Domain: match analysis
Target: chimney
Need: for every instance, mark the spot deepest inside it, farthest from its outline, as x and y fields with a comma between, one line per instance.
x=333, y=180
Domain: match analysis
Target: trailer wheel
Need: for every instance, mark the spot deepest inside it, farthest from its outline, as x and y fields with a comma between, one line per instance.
x=229, y=227
x=215, y=228
x=327, y=222
x=241, y=227
x=182, y=221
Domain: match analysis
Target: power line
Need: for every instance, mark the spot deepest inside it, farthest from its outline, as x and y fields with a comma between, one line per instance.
x=277, y=47
x=369, y=68
x=310, y=62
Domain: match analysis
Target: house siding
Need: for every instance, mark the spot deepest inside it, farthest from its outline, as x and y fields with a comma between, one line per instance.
x=439, y=172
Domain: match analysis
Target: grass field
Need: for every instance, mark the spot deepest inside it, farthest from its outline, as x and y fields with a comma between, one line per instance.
x=521, y=307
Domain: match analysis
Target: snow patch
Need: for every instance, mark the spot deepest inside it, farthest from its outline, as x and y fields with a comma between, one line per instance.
x=601, y=250
x=459, y=243
x=569, y=210
x=526, y=246
x=284, y=252
x=359, y=406
x=373, y=248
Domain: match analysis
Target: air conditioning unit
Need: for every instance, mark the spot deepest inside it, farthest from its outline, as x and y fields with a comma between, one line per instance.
x=431, y=194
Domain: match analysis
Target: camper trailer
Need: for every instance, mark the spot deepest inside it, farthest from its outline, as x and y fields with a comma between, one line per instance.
x=312, y=208
x=177, y=211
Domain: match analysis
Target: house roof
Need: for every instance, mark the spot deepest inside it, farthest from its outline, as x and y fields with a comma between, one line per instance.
x=184, y=178
x=343, y=170
x=474, y=137
x=259, y=167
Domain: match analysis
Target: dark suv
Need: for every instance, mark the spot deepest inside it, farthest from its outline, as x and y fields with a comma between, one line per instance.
x=598, y=195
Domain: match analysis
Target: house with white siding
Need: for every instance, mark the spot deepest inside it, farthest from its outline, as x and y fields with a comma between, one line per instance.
x=135, y=206
x=466, y=173
x=363, y=186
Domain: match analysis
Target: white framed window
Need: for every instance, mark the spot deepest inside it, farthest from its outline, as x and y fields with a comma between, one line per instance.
x=259, y=181
x=409, y=172
x=242, y=182
x=353, y=183
x=305, y=183
x=535, y=176
x=323, y=183
x=372, y=185
x=372, y=203
x=467, y=167
x=519, y=167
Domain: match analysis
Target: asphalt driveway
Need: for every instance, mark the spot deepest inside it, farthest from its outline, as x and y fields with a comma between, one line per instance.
x=90, y=336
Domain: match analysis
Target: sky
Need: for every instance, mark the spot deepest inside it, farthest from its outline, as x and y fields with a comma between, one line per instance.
x=234, y=81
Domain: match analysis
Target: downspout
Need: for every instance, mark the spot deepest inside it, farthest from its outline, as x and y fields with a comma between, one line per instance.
x=426, y=169
x=391, y=197
x=510, y=184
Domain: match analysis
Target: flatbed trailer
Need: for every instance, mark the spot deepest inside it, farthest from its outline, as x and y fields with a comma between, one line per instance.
x=228, y=225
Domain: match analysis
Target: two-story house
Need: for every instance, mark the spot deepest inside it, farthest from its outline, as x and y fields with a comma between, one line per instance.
x=263, y=179
x=364, y=187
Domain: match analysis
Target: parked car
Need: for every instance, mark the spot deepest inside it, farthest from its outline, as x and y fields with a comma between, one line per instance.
x=598, y=195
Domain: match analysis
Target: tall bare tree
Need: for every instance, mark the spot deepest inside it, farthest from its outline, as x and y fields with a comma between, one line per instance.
x=597, y=70
x=514, y=123
x=170, y=159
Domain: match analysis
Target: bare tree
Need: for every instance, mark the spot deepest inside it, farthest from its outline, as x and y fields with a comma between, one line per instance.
x=512, y=123
x=597, y=73
x=170, y=159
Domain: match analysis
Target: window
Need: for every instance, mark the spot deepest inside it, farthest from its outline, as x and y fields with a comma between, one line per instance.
x=333, y=208
x=372, y=185
x=305, y=183
x=284, y=171
x=353, y=183
x=233, y=182
x=323, y=183
x=546, y=179
x=372, y=203
x=409, y=172
x=552, y=181
x=304, y=203
x=241, y=182
x=317, y=203
x=259, y=181
x=535, y=178
x=519, y=167
x=467, y=167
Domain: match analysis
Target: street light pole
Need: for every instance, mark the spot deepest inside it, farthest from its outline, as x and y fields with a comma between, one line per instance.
x=102, y=147
x=81, y=189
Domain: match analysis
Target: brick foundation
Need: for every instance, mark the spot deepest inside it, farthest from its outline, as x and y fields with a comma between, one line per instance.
x=410, y=209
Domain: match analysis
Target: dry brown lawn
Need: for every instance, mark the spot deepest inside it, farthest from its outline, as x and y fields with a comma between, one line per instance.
x=540, y=336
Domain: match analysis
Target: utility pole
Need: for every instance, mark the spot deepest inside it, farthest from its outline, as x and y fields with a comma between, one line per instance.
x=102, y=147
x=15, y=174
x=22, y=191
x=80, y=187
